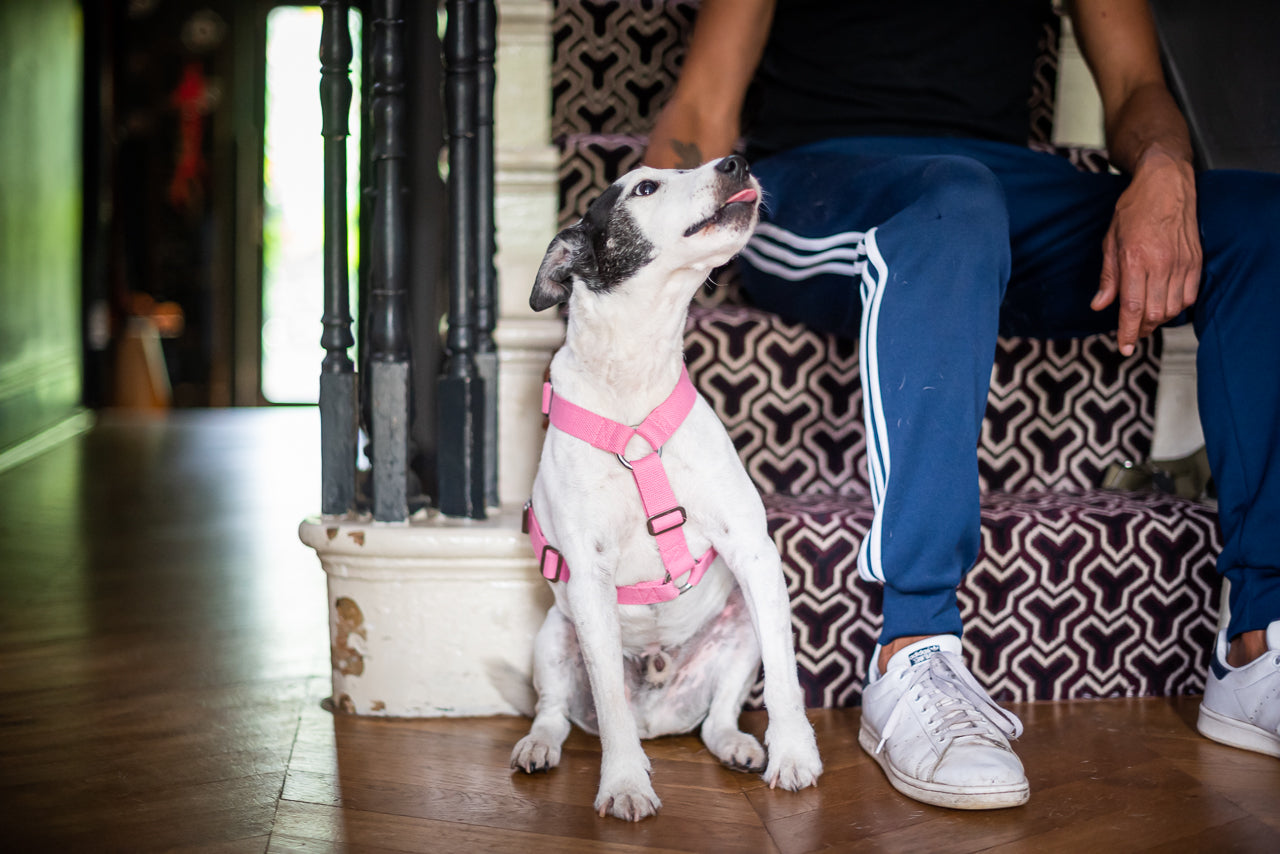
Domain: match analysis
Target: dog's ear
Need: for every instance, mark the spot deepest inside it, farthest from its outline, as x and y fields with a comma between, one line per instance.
x=570, y=254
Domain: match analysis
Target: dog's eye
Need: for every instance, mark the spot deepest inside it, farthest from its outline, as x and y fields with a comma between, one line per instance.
x=645, y=188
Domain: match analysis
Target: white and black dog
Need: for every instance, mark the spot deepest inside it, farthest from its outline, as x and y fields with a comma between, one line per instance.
x=629, y=671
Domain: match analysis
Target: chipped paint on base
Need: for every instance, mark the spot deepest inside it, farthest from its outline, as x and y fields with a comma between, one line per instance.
x=430, y=619
x=349, y=637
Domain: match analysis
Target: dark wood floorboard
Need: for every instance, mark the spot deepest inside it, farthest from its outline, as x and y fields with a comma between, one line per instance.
x=164, y=658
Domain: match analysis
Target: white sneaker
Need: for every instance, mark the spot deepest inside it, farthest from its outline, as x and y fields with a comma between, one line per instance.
x=938, y=736
x=1242, y=704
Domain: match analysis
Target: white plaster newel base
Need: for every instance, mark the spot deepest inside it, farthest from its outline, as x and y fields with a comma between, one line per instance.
x=437, y=616
x=431, y=618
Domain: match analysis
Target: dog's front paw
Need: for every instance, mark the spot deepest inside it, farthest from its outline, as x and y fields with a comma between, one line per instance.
x=630, y=799
x=532, y=754
x=794, y=763
x=739, y=751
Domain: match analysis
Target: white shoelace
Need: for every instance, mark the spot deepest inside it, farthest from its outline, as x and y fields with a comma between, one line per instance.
x=960, y=707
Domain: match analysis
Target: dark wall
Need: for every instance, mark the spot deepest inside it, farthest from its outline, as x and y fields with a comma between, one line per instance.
x=173, y=154
x=1221, y=62
x=40, y=53
x=183, y=169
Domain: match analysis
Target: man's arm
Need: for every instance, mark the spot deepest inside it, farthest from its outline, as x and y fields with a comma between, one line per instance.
x=702, y=120
x=1151, y=254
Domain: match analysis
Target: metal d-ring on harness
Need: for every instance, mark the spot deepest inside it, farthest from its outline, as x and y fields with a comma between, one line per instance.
x=665, y=517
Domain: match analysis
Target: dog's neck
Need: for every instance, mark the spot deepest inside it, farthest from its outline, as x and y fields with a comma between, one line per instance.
x=622, y=357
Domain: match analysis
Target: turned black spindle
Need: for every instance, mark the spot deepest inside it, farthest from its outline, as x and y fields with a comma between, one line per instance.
x=338, y=421
x=486, y=289
x=461, y=387
x=388, y=296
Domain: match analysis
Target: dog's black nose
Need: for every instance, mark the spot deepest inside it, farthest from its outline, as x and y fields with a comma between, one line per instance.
x=734, y=165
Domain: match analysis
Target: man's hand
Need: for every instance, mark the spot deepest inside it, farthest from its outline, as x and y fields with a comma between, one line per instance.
x=1151, y=255
x=701, y=121
x=684, y=137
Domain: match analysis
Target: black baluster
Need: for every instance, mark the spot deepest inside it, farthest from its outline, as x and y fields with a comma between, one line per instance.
x=461, y=400
x=388, y=334
x=486, y=289
x=337, y=374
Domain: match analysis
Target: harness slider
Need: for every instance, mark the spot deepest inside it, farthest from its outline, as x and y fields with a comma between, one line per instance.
x=560, y=566
x=651, y=522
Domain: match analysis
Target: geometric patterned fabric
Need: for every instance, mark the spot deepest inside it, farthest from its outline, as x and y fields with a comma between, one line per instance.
x=1058, y=413
x=1074, y=595
x=1078, y=592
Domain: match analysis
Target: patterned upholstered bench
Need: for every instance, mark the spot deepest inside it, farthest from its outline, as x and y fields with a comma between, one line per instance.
x=1078, y=592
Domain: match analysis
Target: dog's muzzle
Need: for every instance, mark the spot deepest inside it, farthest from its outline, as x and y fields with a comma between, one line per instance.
x=738, y=190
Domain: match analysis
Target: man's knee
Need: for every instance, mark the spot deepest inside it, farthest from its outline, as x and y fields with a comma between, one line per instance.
x=960, y=218
x=967, y=192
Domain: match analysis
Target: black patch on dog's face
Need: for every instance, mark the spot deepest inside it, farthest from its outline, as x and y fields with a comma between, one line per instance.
x=620, y=247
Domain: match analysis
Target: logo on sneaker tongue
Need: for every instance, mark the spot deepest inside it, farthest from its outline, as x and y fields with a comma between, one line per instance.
x=924, y=653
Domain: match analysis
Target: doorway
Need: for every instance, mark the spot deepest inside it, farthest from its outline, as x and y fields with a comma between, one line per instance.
x=292, y=202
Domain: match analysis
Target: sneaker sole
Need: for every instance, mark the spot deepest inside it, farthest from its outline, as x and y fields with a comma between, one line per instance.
x=941, y=795
x=1236, y=733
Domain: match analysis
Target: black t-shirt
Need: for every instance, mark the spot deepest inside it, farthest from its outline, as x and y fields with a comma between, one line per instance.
x=836, y=68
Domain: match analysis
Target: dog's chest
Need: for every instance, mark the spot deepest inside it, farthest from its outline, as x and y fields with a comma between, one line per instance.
x=649, y=629
x=592, y=495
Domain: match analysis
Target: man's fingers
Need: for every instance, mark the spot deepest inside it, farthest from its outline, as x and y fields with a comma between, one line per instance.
x=1191, y=289
x=1191, y=280
x=1151, y=253
x=1124, y=280
x=1175, y=297
x=1109, y=280
x=1156, y=292
x=1130, y=328
x=1105, y=296
x=1135, y=306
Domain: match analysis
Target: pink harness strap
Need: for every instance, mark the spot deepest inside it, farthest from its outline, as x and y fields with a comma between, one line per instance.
x=665, y=518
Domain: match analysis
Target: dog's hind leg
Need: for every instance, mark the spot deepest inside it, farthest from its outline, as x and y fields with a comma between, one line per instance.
x=738, y=662
x=559, y=679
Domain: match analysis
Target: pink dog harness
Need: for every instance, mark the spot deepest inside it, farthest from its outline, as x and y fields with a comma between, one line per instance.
x=665, y=516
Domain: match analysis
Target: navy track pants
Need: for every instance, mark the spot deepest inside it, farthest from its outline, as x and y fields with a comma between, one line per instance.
x=924, y=250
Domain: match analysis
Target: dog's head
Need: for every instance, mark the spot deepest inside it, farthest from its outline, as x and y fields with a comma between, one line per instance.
x=655, y=221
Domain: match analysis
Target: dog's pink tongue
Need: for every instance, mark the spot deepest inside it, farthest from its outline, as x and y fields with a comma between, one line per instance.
x=747, y=195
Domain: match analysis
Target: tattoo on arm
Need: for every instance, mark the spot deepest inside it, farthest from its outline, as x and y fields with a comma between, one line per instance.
x=688, y=155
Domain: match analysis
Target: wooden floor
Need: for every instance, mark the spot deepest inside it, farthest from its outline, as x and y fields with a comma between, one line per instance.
x=164, y=658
